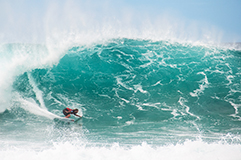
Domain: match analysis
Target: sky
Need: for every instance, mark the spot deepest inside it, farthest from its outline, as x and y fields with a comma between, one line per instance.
x=32, y=20
x=224, y=14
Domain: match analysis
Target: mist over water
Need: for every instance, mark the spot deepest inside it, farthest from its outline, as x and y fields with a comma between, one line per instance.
x=147, y=86
x=68, y=22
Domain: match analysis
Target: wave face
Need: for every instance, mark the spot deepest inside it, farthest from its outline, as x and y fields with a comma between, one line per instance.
x=133, y=95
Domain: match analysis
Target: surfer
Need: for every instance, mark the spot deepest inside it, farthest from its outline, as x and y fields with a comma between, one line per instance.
x=68, y=111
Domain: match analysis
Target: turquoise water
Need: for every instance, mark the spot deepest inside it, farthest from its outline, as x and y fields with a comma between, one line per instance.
x=136, y=97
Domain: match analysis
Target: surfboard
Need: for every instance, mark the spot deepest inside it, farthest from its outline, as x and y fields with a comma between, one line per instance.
x=66, y=120
x=63, y=120
x=77, y=120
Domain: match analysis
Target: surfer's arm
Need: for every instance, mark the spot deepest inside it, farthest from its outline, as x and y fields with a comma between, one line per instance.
x=78, y=115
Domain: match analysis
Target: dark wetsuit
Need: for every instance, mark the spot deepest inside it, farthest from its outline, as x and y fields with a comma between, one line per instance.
x=66, y=110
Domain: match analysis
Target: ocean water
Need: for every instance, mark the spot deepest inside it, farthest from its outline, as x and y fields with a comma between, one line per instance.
x=140, y=99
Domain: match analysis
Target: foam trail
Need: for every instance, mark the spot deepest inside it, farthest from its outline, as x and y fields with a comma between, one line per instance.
x=31, y=106
x=204, y=84
x=38, y=93
x=236, y=108
x=182, y=101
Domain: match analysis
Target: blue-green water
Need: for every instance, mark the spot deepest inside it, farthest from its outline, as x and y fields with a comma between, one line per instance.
x=136, y=97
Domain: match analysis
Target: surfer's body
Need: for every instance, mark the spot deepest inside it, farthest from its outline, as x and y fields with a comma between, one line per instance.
x=68, y=111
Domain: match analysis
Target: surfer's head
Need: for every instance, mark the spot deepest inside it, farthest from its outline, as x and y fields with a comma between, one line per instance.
x=75, y=110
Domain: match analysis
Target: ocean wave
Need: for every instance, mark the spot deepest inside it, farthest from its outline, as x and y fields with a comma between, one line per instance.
x=128, y=90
